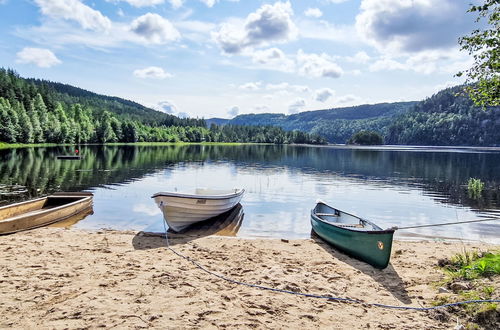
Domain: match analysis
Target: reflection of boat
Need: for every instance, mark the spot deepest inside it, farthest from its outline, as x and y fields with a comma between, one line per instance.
x=71, y=157
x=42, y=211
x=181, y=210
x=68, y=222
x=357, y=237
x=225, y=224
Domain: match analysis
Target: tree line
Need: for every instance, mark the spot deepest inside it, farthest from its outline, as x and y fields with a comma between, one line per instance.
x=36, y=112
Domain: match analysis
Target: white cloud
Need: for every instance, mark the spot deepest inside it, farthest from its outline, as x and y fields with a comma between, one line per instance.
x=250, y=86
x=336, y=1
x=314, y=65
x=313, y=12
x=426, y=62
x=176, y=3
x=359, y=57
x=209, y=3
x=445, y=85
x=323, y=94
x=153, y=72
x=323, y=30
x=413, y=26
x=140, y=3
x=261, y=108
x=273, y=58
x=76, y=11
x=284, y=86
x=386, y=64
x=167, y=107
x=233, y=111
x=154, y=29
x=296, y=105
x=269, y=23
x=41, y=57
x=183, y=115
x=347, y=99
x=197, y=31
x=150, y=210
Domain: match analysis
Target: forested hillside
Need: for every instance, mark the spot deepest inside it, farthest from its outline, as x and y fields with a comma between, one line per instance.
x=37, y=111
x=447, y=118
x=336, y=125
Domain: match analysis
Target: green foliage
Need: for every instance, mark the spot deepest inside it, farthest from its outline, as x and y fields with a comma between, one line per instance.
x=472, y=265
x=484, y=46
x=336, y=125
x=475, y=188
x=447, y=118
x=366, y=138
x=55, y=116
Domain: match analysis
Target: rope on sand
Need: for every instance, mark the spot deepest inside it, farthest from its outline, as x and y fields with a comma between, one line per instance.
x=309, y=295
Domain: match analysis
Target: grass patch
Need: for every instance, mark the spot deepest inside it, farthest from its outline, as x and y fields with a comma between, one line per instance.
x=4, y=145
x=473, y=264
x=475, y=188
x=471, y=275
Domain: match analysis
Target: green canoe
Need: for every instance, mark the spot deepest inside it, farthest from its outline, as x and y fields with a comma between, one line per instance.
x=353, y=235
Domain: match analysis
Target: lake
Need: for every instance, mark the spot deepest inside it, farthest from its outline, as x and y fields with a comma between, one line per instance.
x=400, y=186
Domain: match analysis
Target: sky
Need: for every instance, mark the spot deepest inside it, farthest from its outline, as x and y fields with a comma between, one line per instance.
x=221, y=58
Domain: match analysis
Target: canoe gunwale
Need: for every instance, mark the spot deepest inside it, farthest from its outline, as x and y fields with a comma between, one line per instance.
x=381, y=231
x=370, y=246
x=370, y=232
x=194, y=196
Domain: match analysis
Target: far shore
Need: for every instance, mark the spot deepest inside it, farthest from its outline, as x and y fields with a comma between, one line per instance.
x=330, y=145
x=68, y=278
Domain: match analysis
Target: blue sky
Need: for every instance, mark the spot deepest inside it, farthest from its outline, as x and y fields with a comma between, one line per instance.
x=220, y=58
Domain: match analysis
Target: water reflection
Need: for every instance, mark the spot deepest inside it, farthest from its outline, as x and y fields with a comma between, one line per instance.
x=226, y=224
x=392, y=187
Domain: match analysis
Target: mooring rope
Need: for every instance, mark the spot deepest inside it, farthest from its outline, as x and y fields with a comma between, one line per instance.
x=310, y=295
x=447, y=223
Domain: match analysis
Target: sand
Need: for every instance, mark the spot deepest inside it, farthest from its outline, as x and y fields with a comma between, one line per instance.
x=60, y=278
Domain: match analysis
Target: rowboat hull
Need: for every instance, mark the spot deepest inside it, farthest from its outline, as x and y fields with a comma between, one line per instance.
x=371, y=245
x=42, y=211
x=182, y=210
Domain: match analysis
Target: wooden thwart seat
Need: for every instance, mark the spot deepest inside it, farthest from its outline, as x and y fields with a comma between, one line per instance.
x=328, y=214
x=349, y=225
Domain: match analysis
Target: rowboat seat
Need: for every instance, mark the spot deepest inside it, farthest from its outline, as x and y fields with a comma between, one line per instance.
x=349, y=225
x=327, y=214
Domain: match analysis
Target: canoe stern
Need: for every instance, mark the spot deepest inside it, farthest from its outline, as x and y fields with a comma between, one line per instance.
x=373, y=247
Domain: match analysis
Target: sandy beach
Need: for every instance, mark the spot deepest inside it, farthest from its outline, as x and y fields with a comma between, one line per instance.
x=60, y=278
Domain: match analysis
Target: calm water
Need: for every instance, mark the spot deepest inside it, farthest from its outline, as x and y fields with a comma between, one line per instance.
x=400, y=187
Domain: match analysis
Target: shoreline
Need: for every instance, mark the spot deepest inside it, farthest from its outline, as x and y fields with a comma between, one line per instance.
x=57, y=278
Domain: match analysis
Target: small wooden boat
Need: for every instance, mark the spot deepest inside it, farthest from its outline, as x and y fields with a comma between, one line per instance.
x=42, y=211
x=181, y=210
x=355, y=236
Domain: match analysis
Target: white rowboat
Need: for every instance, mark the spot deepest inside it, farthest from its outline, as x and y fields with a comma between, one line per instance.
x=181, y=210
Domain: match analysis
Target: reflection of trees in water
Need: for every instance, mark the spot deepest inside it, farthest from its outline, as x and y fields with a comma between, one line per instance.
x=446, y=173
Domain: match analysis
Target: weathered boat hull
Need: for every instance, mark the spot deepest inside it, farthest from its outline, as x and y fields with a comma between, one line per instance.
x=182, y=210
x=371, y=246
x=42, y=211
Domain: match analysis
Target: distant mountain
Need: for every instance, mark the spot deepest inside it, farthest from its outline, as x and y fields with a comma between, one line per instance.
x=216, y=121
x=68, y=95
x=38, y=111
x=447, y=118
x=336, y=125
